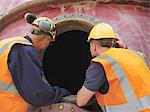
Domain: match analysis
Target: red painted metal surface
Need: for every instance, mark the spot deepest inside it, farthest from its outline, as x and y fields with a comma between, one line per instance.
x=131, y=22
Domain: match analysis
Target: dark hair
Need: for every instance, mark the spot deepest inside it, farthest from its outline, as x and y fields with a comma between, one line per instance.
x=107, y=42
x=39, y=32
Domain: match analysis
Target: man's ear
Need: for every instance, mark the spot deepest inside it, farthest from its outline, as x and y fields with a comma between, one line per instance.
x=93, y=46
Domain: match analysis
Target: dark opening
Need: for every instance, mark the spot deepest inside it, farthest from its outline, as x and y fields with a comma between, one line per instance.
x=66, y=61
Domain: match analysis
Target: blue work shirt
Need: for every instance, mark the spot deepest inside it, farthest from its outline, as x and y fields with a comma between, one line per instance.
x=27, y=72
x=96, y=78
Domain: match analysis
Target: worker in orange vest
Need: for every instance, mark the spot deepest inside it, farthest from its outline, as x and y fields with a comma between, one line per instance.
x=21, y=73
x=119, y=78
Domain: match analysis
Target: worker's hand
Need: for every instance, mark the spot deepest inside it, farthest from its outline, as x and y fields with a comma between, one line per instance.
x=91, y=102
x=70, y=98
x=120, y=42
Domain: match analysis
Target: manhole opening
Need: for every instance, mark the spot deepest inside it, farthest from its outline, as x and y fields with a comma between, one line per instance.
x=65, y=62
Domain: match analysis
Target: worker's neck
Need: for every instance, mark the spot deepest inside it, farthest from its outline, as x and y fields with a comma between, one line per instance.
x=101, y=50
x=35, y=41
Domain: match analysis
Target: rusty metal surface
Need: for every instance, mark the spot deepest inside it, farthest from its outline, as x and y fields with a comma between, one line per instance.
x=61, y=107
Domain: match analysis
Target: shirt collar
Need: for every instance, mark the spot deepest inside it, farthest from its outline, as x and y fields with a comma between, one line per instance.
x=28, y=38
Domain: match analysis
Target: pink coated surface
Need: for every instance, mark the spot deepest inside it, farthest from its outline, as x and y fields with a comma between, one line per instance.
x=6, y=5
x=130, y=22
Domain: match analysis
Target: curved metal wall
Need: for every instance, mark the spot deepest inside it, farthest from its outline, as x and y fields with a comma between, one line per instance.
x=129, y=19
x=131, y=22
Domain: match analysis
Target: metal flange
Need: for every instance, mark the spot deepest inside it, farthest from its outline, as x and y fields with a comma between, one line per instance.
x=69, y=22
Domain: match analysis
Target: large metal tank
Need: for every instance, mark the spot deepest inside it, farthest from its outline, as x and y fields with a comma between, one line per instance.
x=65, y=63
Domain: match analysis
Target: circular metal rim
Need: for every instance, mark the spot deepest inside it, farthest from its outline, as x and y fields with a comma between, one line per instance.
x=69, y=22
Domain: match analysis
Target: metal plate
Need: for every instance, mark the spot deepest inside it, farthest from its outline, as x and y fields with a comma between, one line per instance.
x=61, y=107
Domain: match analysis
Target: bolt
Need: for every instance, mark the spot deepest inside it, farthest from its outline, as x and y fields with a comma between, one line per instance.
x=61, y=107
x=72, y=109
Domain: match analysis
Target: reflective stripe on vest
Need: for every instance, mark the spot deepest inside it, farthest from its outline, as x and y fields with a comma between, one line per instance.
x=4, y=86
x=141, y=55
x=10, y=99
x=138, y=54
x=8, y=88
x=143, y=102
x=138, y=104
x=3, y=48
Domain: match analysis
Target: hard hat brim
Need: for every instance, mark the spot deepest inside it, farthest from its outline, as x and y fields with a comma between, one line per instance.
x=89, y=38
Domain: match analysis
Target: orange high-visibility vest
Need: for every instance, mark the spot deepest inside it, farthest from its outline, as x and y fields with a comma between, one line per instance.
x=10, y=99
x=129, y=81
